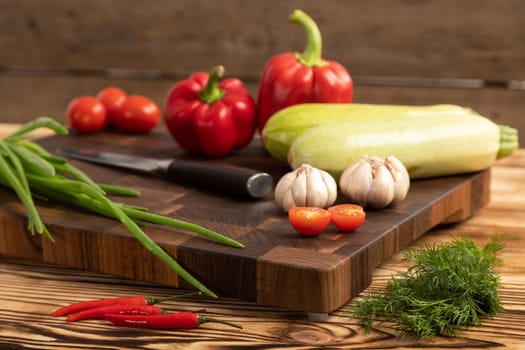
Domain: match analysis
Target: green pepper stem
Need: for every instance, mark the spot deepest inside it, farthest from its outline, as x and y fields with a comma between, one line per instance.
x=314, y=44
x=212, y=92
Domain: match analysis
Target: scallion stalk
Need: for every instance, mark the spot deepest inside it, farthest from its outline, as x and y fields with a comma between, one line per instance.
x=32, y=172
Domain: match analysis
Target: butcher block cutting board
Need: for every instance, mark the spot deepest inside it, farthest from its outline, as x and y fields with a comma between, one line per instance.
x=277, y=267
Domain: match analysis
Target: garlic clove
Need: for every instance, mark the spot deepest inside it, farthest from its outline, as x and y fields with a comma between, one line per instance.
x=288, y=201
x=283, y=186
x=401, y=178
x=360, y=182
x=346, y=176
x=299, y=188
x=317, y=193
x=382, y=188
x=331, y=187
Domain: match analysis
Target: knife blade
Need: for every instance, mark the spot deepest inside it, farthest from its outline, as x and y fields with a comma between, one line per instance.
x=227, y=179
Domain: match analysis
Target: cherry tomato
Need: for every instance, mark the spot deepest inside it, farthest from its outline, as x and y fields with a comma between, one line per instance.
x=112, y=98
x=137, y=114
x=347, y=217
x=86, y=114
x=309, y=221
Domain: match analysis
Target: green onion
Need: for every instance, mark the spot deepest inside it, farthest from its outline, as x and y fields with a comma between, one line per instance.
x=32, y=172
x=33, y=161
x=119, y=190
x=114, y=210
x=167, y=221
x=10, y=179
x=40, y=122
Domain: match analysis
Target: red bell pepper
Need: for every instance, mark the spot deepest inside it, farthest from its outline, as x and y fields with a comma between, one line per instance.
x=206, y=116
x=291, y=78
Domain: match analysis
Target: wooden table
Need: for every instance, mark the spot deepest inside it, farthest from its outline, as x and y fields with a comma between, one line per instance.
x=29, y=291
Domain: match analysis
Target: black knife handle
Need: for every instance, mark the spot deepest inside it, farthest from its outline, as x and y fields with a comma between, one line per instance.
x=229, y=179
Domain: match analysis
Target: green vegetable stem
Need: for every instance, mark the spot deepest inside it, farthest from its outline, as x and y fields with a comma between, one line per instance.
x=32, y=172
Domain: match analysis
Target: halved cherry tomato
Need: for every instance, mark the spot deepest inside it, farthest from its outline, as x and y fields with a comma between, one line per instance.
x=86, y=114
x=137, y=114
x=309, y=221
x=347, y=217
x=112, y=98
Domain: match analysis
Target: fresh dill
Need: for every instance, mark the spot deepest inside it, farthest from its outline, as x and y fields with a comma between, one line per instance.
x=447, y=288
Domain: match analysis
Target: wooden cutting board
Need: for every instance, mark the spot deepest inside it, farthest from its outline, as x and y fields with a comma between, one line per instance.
x=278, y=267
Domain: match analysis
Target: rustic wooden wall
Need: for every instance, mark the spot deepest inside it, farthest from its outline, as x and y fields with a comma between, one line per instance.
x=468, y=52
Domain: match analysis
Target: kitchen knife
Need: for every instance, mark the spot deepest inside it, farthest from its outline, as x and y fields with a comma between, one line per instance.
x=229, y=179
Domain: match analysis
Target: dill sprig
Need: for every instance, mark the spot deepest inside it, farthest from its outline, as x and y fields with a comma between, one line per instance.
x=447, y=288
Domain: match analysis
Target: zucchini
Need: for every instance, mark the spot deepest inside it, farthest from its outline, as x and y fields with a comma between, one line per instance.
x=443, y=144
x=289, y=123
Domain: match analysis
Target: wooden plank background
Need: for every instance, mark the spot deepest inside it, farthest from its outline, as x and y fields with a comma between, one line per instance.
x=467, y=52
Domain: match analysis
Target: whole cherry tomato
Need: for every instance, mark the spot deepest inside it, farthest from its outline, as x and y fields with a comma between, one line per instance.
x=347, y=217
x=112, y=98
x=86, y=114
x=309, y=221
x=137, y=114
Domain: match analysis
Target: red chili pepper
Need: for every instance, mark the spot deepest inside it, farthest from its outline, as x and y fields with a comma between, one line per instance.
x=121, y=309
x=291, y=78
x=205, y=116
x=179, y=320
x=91, y=304
x=134, y=300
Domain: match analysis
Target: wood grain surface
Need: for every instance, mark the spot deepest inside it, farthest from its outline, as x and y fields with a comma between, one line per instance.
x=30, y=291
x=278, y=267
x=397, y=51
x=477, y=39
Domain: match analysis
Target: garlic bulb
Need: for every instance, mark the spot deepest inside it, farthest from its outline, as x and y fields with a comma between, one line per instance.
x=374, y=182
x=306, y=186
